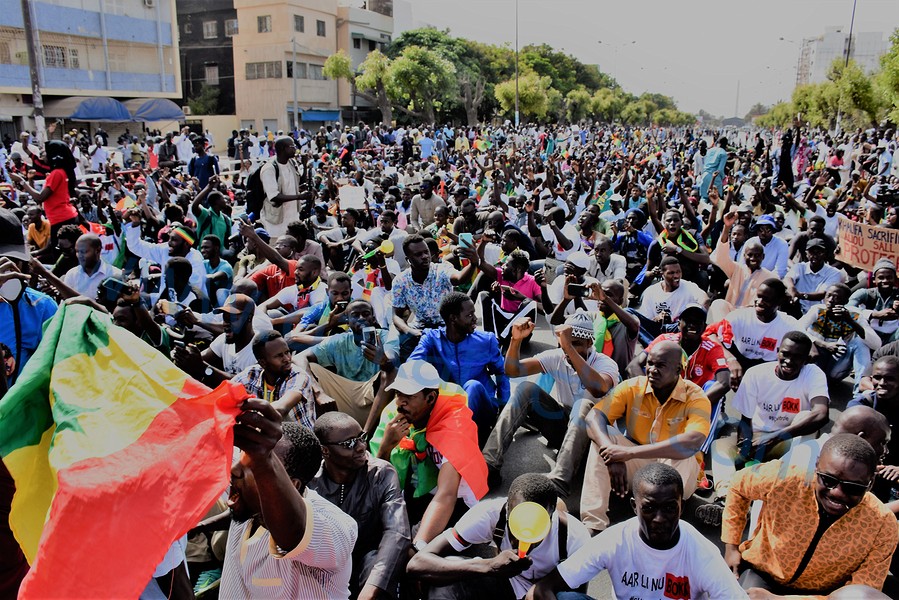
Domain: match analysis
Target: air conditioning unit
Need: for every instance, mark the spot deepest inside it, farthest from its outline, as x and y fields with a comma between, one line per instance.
x=149, y=3
x=185, y=109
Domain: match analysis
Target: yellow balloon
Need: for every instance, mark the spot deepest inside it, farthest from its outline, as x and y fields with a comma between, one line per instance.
x=386, y=247
x=529, y=523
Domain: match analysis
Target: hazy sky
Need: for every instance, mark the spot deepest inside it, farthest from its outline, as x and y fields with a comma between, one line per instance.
x=693, y=51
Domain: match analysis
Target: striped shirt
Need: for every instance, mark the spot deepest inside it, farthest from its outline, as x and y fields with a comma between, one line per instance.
x=318, y=568
x=303, y=413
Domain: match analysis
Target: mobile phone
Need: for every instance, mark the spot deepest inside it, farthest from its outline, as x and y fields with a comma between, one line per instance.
x=171, y=308
x=113, y=288
x=179, y=343
x=466, y=240
x=370, y=336
x=341, y=306
x=578, y=290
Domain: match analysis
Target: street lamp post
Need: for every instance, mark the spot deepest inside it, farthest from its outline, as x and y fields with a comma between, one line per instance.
x=34, y=69
x=846, y=65
x=293, y=71
x=516, y=64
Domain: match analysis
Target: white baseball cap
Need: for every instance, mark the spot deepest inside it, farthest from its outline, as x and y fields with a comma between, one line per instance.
x=414, y=376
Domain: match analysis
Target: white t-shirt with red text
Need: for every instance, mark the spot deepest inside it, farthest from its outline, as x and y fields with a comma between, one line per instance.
x=693, y=568
x=754, y=339
x=771, y=402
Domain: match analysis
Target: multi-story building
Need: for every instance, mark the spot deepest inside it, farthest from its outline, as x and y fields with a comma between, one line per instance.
x=206, y=29
x=280, y=51
x=361, y=28
x=114, y=48
x=816, y=55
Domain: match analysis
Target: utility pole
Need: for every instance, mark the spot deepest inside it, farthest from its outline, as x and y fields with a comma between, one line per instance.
x=846, y=64
x=296, y=114
x=516, y=64
x=34, y=68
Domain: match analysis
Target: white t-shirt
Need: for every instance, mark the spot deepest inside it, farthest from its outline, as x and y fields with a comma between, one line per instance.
x=756, y=340
x=693, y=568
x=656, y=300
x=569, y=387
x=234, y=362
x=771, y=402
x=571, y=233
x=289, y=296
x=477, y=525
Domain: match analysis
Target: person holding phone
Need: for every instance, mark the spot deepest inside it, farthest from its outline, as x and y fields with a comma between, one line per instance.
x=329, y=316
x=362, y=359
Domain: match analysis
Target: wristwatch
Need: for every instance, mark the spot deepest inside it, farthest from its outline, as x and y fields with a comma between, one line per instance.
x=208, y=372
x=679, y=250
x=420, y=545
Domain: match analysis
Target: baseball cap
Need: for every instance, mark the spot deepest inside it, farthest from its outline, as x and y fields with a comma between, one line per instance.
x=815, y=243
x=237, y=304
x=12, y=239
x=414, y=376
x=579, y=260
x=263, y=234
x=693, y=307
x=746, y=207
x=767, y=220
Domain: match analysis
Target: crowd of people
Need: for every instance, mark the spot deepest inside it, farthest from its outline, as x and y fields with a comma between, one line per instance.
x=704, y=317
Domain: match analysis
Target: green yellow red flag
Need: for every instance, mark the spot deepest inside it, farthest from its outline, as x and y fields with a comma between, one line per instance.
x=115, y=453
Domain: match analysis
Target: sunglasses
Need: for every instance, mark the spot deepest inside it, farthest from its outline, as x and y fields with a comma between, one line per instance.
x=350, y=443
x=852, y=488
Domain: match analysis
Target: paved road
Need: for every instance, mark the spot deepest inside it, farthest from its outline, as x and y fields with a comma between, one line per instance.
x=529, y=453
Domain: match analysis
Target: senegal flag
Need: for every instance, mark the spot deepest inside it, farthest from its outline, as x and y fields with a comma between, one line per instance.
x=115, y=453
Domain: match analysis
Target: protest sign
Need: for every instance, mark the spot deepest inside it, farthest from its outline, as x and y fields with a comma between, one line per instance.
x=352, y=197
x=862, y=245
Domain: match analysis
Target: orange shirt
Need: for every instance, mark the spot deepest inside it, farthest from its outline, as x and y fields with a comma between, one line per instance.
x=856, y=549
x=39, y=237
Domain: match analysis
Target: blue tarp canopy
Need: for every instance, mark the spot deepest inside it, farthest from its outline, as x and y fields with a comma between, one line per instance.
x=320, y=115
x=84, y=108
x=154, y=109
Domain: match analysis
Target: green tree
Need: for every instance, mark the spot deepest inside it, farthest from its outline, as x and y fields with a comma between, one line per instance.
x=758, y=109
x=369, y=83
x=578, y=104
x=533, y=97
x=887, y=83
x=422, y=79
x=779, y=115
x=608, y=103
x=854, y=90
x=206, y=102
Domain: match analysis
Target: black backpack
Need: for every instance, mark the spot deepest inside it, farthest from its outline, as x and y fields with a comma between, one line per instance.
x=255, y=190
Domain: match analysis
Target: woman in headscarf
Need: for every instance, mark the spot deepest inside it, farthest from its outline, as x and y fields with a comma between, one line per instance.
x=55, y=196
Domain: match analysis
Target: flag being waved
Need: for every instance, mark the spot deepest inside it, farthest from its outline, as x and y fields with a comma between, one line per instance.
x=115, y=453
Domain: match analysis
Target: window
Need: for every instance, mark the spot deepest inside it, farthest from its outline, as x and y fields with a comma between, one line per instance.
x=188, y=28
x=372, y=45
x=55, y=56
x=315, y=72
x=357, y=43
x=5, y=56
x=114, y=7
x=118, y=61
x=212, y=74
x=320, y=28
x=299, y=23
x=74, y=63
x=210, y=30
x=264, y=23
x=264, y=70
x=297, y=70
x=230, y=27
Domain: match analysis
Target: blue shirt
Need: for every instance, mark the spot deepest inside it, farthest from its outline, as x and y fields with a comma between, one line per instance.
x=476, y=357
x=34, y=309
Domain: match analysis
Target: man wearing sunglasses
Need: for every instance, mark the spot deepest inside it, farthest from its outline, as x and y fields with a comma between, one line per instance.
x=811, y=539
x=367, y=489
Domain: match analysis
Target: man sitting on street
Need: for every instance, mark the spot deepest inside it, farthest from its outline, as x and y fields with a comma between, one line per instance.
x=811, y=539
x=429, y=437
x=666, y=419
x=778, y=401
x=469, y=358
x=367, y=489
x=505, y=575
x=582, y=376
x=654, y=548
